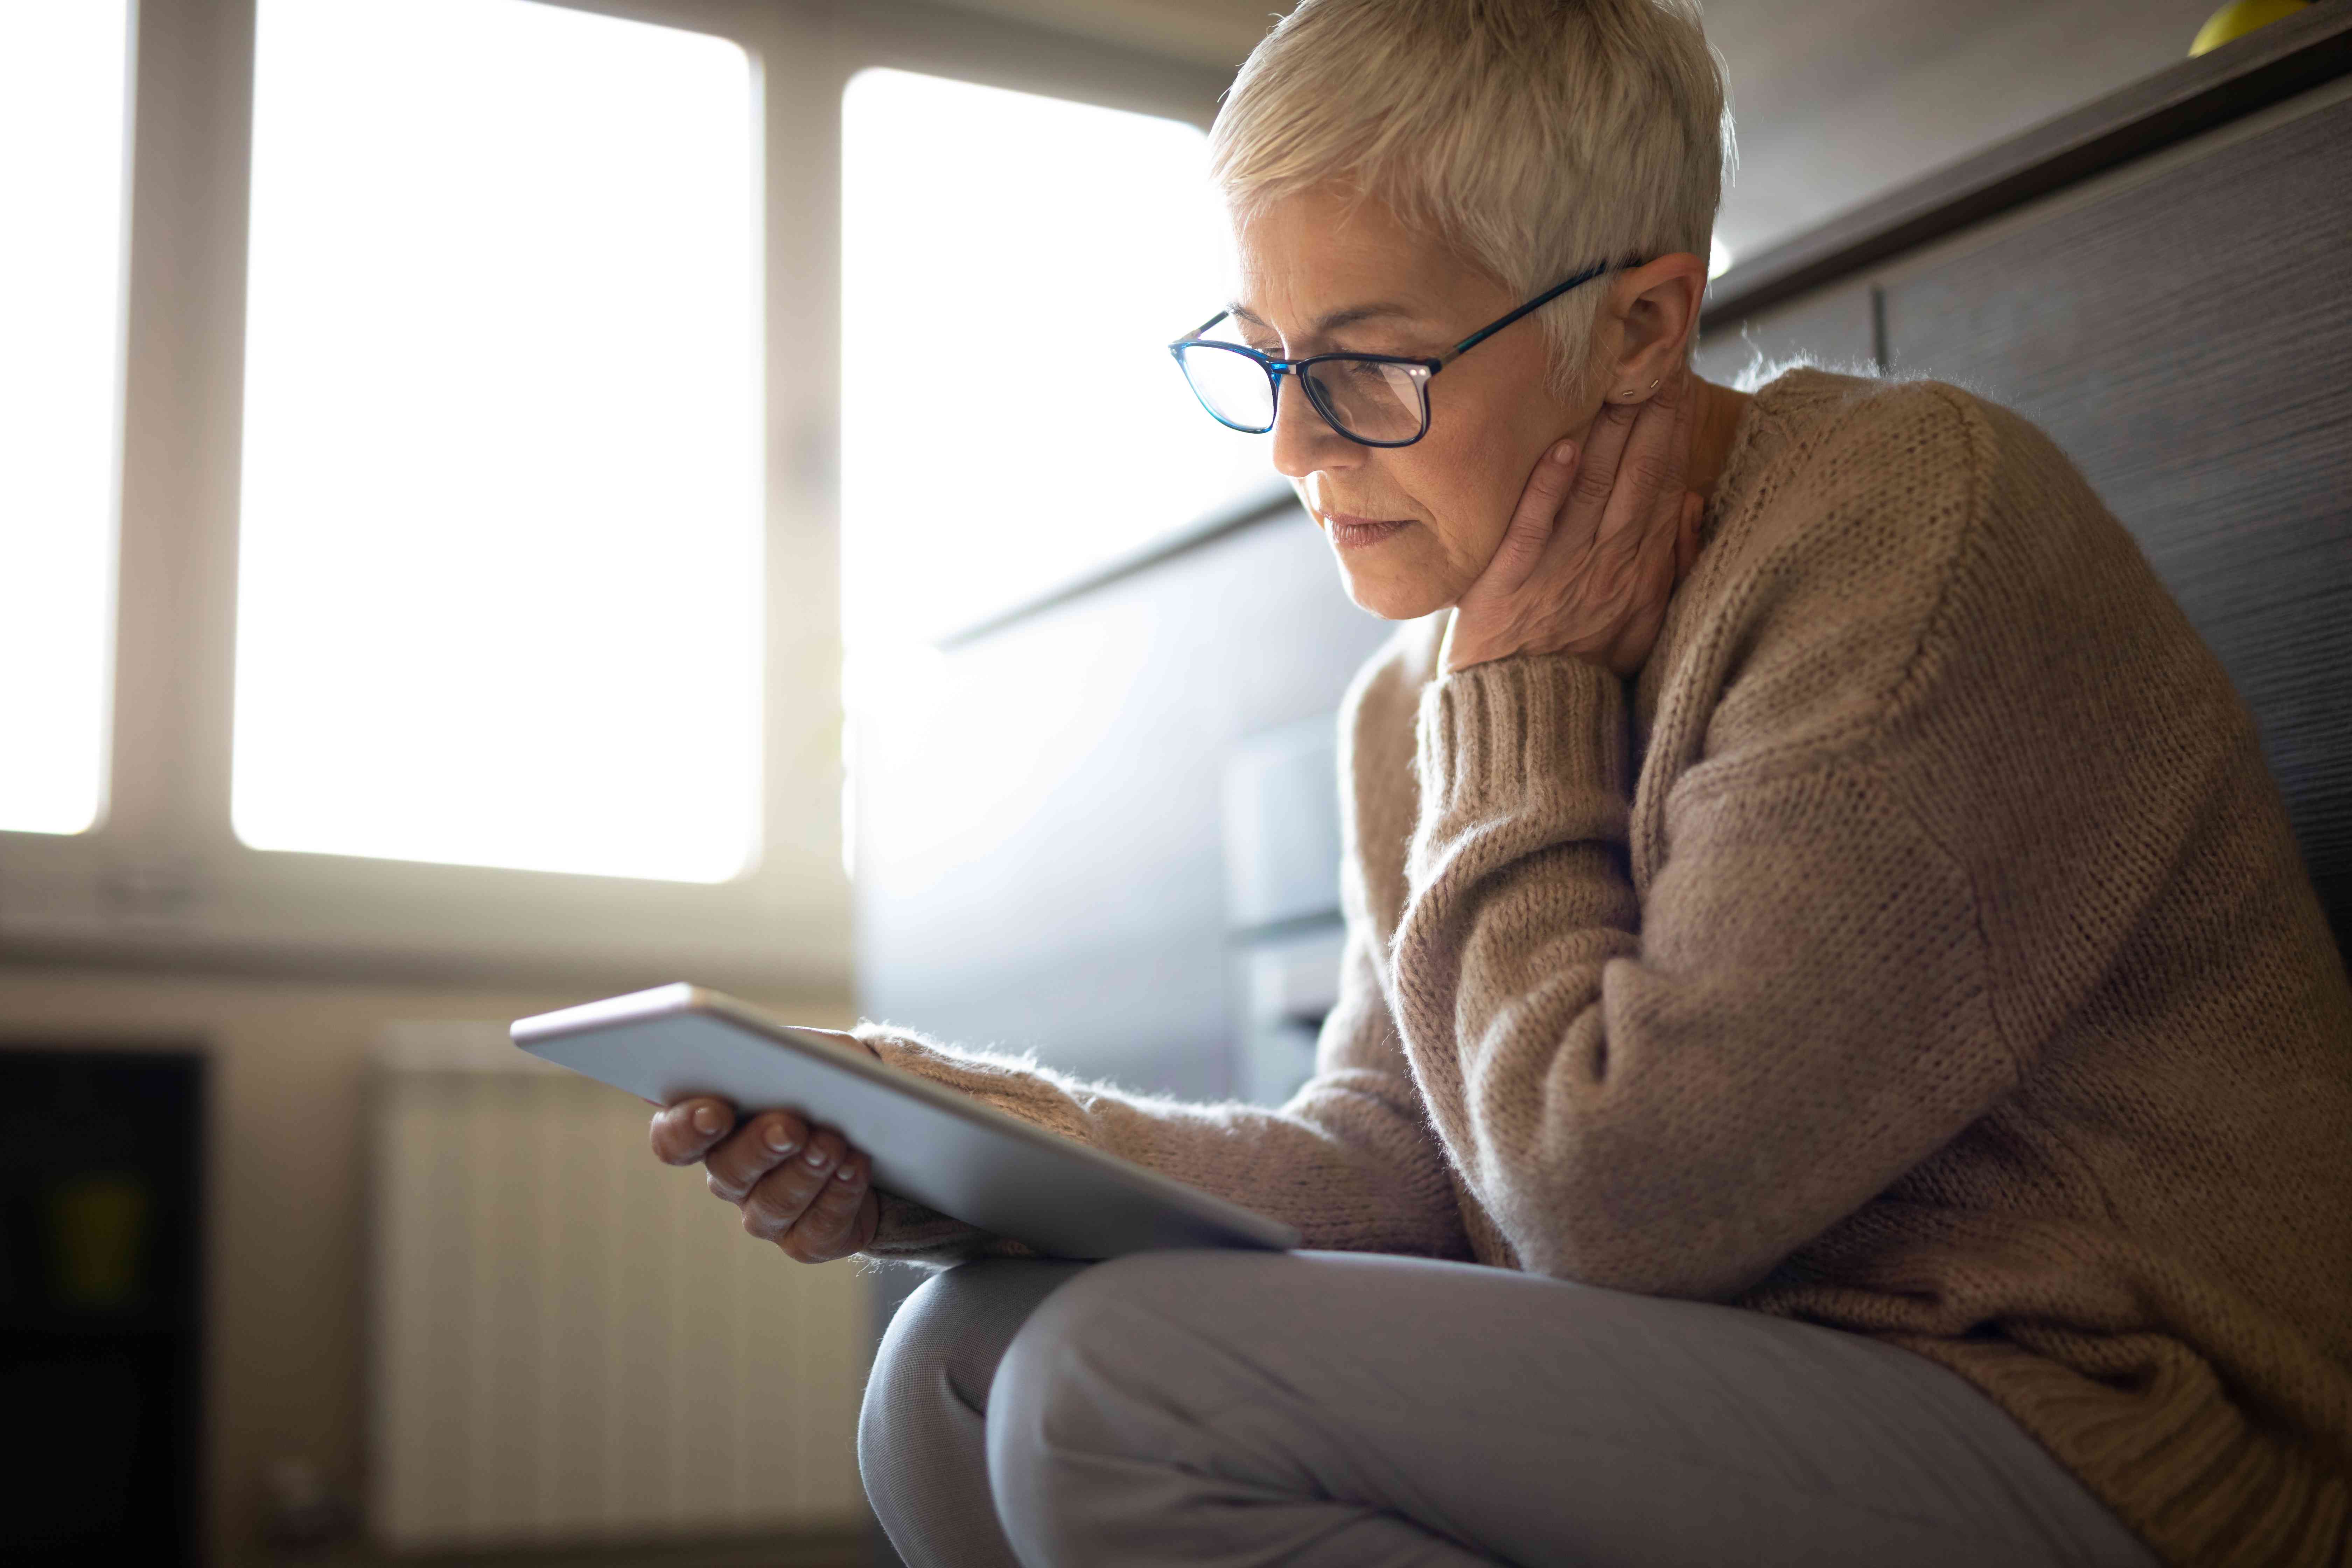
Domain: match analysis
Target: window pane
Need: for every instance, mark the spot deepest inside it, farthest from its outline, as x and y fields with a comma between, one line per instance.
x=499, y=573
x=62, y=121
x=1013, y=267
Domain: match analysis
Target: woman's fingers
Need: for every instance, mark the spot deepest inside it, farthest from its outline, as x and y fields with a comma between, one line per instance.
x=837, y=1221
x=768, y=1139
x=804, y=1188
x=1596, y=475
x=685, y=1132
x=1649, y=487
x=776, y=1202
x=1533, y=523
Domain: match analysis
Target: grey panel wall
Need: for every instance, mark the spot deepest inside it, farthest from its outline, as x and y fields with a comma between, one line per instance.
x=1039, y=820
x=1831, y=327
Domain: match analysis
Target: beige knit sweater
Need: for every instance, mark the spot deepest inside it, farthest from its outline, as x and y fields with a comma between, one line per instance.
x=1917, y=947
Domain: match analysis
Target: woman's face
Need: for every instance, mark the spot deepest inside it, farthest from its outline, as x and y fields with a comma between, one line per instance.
x=1414, y=526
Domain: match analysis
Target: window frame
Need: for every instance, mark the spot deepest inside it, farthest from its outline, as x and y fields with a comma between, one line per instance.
x=161, y=878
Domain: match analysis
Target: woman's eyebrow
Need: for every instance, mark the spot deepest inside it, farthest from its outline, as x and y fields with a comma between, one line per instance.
x=1333, y=320
x=1353, y=314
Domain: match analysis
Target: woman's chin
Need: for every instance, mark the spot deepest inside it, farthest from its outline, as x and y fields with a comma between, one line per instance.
x=1391, y=596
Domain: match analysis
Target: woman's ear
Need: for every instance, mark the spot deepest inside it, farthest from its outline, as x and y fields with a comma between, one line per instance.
x=1655, y=309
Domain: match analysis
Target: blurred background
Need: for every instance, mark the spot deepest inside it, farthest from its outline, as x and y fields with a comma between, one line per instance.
x=508, y=502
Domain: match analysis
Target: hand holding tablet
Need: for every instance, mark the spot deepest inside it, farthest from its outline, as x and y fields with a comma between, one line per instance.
x=868, y=1124
x=802, y=1187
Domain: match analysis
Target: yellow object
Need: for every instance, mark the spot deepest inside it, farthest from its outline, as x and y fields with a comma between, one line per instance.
x=99, y=1241
x=2237, y=18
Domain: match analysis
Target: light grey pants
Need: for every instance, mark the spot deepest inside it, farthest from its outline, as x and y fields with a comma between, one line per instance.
x=1362, y=1411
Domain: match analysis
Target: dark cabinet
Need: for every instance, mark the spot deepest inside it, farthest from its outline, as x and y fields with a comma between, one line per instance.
x=101, y=1296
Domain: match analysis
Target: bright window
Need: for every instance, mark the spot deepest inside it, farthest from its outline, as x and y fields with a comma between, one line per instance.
x=62, y=70
x=1013, y=267
x=499, y=570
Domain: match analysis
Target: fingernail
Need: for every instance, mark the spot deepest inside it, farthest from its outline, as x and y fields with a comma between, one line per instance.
x=781, y=1142
x=1563, y=452
x=705, y=1120
x=817, y=1158
x=848, y=1173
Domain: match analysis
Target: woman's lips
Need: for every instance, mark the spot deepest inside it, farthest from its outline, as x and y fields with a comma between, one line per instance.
x=1359, y=533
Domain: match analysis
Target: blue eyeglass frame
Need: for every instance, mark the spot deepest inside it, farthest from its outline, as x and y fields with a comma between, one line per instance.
x=1276, y=369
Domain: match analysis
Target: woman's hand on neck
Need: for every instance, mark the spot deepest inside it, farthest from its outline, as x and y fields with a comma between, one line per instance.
x=1605, y=530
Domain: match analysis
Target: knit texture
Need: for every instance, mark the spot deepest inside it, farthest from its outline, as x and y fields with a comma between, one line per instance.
x=1918, y=946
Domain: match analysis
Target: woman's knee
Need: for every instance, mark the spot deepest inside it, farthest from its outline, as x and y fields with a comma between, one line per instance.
x=1093, y=1321
x=1094, y=1312
x=932, y=1370
x=1131, y=1326
x=1109, y=1388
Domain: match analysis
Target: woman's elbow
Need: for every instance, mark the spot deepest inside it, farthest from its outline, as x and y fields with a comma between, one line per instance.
x=1641, y=1248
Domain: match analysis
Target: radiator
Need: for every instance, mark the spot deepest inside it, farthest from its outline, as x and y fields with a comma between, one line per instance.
x=570, y=1343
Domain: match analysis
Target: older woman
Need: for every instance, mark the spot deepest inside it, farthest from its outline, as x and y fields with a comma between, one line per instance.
x=1838, y=1060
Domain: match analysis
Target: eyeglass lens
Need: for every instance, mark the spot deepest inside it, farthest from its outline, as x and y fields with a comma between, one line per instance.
x=1231, y=386
x=1364, y=399
x=1367, y=400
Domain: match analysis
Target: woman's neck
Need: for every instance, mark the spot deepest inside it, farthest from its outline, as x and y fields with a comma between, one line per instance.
x=1717, y=425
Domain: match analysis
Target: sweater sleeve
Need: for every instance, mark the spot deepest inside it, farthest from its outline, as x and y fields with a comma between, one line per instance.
x=1670, y=1094
x=1350, y=1161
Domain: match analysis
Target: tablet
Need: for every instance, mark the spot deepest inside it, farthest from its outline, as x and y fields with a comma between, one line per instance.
x=927, y=1142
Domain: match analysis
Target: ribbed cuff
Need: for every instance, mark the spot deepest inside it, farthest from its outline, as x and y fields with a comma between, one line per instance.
x=1497, y=736
x=909, y=1232
x=1014, y=1084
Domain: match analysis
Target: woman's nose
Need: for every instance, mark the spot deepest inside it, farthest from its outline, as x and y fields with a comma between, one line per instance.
x=1304, y=441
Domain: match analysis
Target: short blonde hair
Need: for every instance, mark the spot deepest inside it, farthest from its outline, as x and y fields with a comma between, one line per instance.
x=1537, y=137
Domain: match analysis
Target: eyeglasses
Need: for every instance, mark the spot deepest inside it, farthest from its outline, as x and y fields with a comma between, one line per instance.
x=1374, y=400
